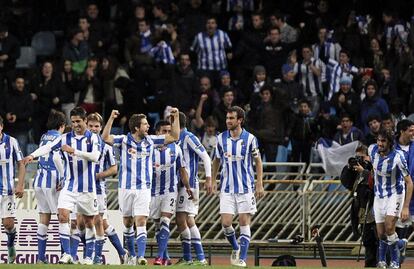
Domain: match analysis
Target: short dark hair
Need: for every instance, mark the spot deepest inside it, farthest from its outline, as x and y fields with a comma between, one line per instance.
x=274, y=28
x=55, y=120
x=267, y=87
x=345, y=51
x=135, y=121
x=372, y=117
x=183, y=119
x=78, y=111
x=211, y=17
x=346, y=115
x=161, y=123
x=388, y=135
x=239, y=111
x=95, y=117
x=361, y=148
x=387, y=117
x=210, y=122
x=305, y=101
x=279, y=16
x=402, y=126
x=225, y=90
x=257, y=13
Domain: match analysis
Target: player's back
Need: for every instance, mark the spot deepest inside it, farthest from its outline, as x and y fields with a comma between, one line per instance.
x=47, y=175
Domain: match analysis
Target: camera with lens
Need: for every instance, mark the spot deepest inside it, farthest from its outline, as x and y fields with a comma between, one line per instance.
x=354, y=161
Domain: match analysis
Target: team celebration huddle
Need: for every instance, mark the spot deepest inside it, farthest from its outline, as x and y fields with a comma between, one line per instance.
x=157, y=180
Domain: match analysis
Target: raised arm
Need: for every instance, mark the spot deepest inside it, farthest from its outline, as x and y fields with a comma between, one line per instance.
x=106, y=133
x=175, y=127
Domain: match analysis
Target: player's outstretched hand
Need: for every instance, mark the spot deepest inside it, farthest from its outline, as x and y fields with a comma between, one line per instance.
x=259, y=191
x=68, y=149
x=28, y=159
x=19, y=191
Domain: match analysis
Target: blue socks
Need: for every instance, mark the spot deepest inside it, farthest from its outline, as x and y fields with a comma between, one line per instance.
x=231, y=237
x=196, y=242
x=186, y=244
x=130, y=242
x=64, y=234
x=163, y=236
x=90, y=242
x=141, y=240
x=41, y=241
x=114, y=239
x=244, y=241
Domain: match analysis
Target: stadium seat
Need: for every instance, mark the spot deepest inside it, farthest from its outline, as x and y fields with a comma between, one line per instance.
x=44, y=43
x=27, y=58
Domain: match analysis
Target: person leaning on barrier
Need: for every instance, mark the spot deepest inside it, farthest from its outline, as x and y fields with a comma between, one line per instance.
x=357, y=177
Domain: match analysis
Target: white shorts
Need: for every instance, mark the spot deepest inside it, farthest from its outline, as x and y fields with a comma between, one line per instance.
x=186, y=205
x=86, y=203
x=388, y=206
x=7, y=206
x=101, y=203
x=165, y=203
x=134, y=202
x=237, y=203
x=47, y=200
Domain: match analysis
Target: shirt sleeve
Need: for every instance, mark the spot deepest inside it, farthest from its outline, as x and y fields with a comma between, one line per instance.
x=194, y=46
x=110, y=155
x=17, y=153
x=227, y=42
x=218, y=150
x=254, y=148
x=94, y=155
x=158, y=140
x=118, y=140
x=43, y=150
x=180, y=159
x=402, y=164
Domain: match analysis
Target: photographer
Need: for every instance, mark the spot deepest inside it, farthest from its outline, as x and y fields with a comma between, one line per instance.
x=357, y=177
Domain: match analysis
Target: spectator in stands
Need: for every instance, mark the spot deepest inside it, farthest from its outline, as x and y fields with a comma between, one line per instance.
x=372, y=104
x=207, y=101
x=184, y=86
x=387, y=123
x=91, y=94
x=288, y=34
x=375, y=59
x=138, y=46
x=326, y=122
x=311, y=72
x=100, y=28
x=212, y=59
x=139, y=14
x=396, y=108
x=374, y=124
x=274, y=53
x=161, y=18
x=338, y=70
x=109, y=71
x=209, y=138
x=325, y=49
x=252, y=91
x=270, y=122
x=70, y=88
x=247, y=53
x=346, y=100
x=290, y=88
x=393, y=29
x=194, y=21
x=17, y=112
x=46, y=91
x=302, y=132
x=94, y=41
x=220, y=111
x=77, y=51
x=348, y=133
x=9, y=53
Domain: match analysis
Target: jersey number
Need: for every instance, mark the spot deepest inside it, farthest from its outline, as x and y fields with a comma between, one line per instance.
x=95, y=203
x=253, y=201
x=181, y=200
x=172, y=202
x=9, y=206
x=398, y=206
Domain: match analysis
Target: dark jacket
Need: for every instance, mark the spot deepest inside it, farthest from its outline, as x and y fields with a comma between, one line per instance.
x=351, y=106
x=20, y=104
x=78, y=55
x=273, y=56
x=10, y=46
x=184, y=89
x=372, y=106
x=354, y=135
x=46, y=92
x=96, y=84
x=293, y=92
x=303, y=128
x=70, y=87
x=248, y=49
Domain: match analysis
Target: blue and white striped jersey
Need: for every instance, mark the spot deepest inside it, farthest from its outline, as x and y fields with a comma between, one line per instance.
x=389, y=172
x=335, y=72
x=192, y=149
x=9, y=154
x=135, y=170
x=211, y=51
x=330, y=50
x=106, y=160
x=80, y=170
x=167, y=161
x=312, y=84
x=236, y=158
x=47, y=175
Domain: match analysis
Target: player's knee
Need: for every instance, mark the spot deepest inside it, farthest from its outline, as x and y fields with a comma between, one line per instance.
x=64, y=218
x=141, y=221
x=190, y=221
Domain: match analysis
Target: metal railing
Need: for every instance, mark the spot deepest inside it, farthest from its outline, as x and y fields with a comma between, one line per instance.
x=297, y=198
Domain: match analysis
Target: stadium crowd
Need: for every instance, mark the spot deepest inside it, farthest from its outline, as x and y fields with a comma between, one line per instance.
x=302, y=69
